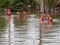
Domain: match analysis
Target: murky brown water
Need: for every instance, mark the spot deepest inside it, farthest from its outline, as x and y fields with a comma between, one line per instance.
x=28, y=31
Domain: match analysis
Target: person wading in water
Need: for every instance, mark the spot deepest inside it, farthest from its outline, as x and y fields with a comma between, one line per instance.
x=49, y=19
x=8, y=12
x=42, y=18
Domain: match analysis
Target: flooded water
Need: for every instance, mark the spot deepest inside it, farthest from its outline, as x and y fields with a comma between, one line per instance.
x=16, y=30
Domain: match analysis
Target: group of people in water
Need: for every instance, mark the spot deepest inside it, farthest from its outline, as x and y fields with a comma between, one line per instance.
x=24, y=13
x=17, y=13
x=43, y=17
x=46, y=18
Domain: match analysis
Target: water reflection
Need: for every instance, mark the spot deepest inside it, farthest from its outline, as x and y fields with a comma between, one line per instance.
x=49, y=26
x=29, y=32
x=12, y=31
x=9, y=21
x=2, y=23
x=25, y=18
x=17, y=17
x=33, y=32
x=41, y=30
x=3, y=33
x=49, y=35
x=10, y=28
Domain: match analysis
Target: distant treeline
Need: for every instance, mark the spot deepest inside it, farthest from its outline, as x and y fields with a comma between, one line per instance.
x=18, y=4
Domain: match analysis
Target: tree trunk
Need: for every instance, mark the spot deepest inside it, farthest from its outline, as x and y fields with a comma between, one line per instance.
x=42, y=6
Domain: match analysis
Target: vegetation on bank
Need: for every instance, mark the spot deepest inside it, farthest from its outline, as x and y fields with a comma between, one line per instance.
x=21, y=5
x=17, y=4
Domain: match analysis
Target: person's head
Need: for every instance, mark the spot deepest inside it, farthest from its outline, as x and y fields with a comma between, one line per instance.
x=8, y=9
x=24, y=11
x=43, y=15
x=48, y=15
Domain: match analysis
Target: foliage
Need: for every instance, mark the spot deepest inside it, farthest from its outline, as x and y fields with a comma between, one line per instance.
x=46, y=2
x=51, y=3
x=16, y=4
x=5, y=3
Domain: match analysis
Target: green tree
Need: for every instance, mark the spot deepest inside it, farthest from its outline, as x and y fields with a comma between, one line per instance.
x=16, y=4
x=6, y=3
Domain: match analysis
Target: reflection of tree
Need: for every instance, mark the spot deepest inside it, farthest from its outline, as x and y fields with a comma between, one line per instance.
x=19, y=21
x=18, y=17
x=9, y=21
x=2, y=23
x=41, y=29
x=2, y=29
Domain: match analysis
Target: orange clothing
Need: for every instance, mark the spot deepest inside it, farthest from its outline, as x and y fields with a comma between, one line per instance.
x=42, y=18
x=49, y=19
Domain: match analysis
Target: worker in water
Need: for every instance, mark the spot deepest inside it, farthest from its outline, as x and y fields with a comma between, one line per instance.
x=8, y=12
x=25, y=13
x=49, y=19
x=17, y=13
x=42, y=18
